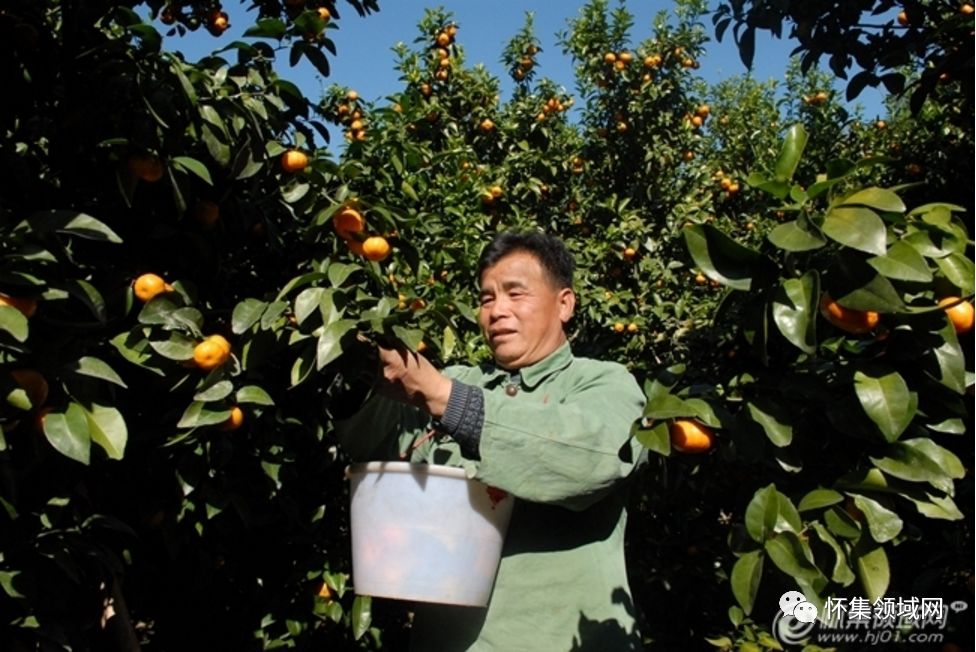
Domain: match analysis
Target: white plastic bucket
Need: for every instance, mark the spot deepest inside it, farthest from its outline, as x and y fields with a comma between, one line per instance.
x=425, y=532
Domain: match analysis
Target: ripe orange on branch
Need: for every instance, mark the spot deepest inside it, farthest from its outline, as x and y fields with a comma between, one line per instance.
x=234, y=421
x=960, y=313
x=150, y=285
x=211, y=352
x=376, y=248
x=688, y=436
x=850, y=320
x=146, y=167
x=348, y=221
x=294, y=161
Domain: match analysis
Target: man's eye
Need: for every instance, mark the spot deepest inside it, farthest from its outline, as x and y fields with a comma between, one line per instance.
x=485, y=300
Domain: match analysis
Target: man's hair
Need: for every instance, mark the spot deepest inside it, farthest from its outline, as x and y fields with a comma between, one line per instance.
x=548, y=249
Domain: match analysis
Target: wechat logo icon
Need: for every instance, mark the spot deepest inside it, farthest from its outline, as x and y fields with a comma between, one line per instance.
x=795, y=620
x=793, y=603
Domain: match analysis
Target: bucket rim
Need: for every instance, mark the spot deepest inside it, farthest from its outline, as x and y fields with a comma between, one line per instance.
x=412, y=468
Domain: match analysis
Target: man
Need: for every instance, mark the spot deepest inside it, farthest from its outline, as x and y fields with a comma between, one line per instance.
x=551, y=429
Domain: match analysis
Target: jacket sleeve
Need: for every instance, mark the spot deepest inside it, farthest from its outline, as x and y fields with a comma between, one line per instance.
x=571, y=452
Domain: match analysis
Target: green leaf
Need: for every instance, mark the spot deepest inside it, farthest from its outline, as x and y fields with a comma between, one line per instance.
x=107, y=429
x=798, y=235
x=745, y=579
x=340, y=272
x=819, y=498
x=271, y=28
x=198, y=414
x=14, y=322
x=329, y=346
x=938, y=507
x=68, y=433
x=902, y=262
x=947, y=363
x=877, y=198
x=655, y=438
x=217, y=391
x=70, y=223
x=791, y=152
x=841, y=572
x=795, y=310
x=792, y=556
x=177, y=347
x=193, y=166
x=89, y=295
x=883, y=524
x=887, y=400
x=7, y=579
x=96, y=368
x=362, y=615
x=308, y=301
x=873, y=571
x=773, y=418
x=665, y=406
x=721, y=258
x=840, y=523
x=246, y=314
x=959, y=270
x=921, y=460
x=770, y=512
x=857, y=228
x=408, y=190
x=254, y=394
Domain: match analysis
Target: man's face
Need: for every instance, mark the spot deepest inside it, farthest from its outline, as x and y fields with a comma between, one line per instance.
x=522, y=311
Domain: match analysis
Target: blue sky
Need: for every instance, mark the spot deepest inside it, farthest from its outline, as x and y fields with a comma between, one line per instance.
x=365, y=60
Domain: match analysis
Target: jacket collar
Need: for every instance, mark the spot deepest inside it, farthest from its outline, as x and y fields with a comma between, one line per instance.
x=534, y=374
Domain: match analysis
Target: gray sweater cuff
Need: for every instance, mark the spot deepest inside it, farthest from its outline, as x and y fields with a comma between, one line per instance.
x=464, y=417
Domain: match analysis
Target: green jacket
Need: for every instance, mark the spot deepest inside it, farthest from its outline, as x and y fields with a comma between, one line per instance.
x=561, y=445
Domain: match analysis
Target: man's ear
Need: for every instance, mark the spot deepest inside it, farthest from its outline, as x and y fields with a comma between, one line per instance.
x=567, y=303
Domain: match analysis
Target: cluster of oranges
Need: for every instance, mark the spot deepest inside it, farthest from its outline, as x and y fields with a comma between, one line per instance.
x=620, y=327
x=553, y=105
x=441, y=54
x=351, y=227
x=491, y=194
x=728, y=184
x=696, y=119
x=959, y=312
x=526, y=63
x=349, y=113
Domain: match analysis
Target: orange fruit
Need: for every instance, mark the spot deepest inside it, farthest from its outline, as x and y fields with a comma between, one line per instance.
x=219, y=21
x=903, y=19
x=703, y=111
x=234, y=421
x=619, y=327
x=25, y=305
x=852, y=321
x=348, y=221
x=632, y=327
x=376, y=248
x=33, y=383
x=294, y=161
x=697, y=120
x=211, y=352
x=443, y=39
x=688, y=436
x=324, y=13
x=487, y=125
x=147, y=167
x=960, y=313
x=150, y=285
x=625, y=56
x=609, y=57
x=688, y=155
x=324, y=592
x=206, y=212
x=630, y=253
x=966, y=9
